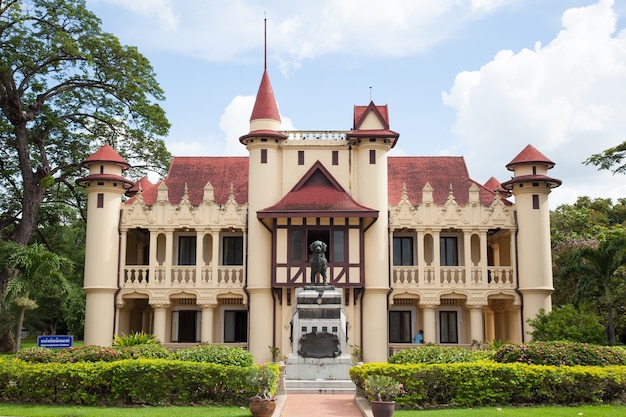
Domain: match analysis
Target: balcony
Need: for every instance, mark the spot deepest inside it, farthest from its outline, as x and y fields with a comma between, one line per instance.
x=501, y=277
x=183, y=276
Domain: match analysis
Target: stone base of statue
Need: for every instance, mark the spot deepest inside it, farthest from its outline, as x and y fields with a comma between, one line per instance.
x=319, y=336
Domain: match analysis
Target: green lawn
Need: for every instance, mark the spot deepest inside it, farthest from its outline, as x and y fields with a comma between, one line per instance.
x=585, y=411
x=76, y=411
x=56, y=411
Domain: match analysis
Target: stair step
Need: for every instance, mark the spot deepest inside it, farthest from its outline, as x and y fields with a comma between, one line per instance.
x=298, y=386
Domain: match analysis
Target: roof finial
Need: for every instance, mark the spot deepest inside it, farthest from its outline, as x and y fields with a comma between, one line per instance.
x=370, y=93
x=265, y=42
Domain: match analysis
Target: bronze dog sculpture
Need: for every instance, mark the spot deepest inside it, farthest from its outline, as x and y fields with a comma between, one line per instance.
x=318, y=260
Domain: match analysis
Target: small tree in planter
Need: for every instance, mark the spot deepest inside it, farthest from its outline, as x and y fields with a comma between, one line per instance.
x=381, y=390
x=263, y=403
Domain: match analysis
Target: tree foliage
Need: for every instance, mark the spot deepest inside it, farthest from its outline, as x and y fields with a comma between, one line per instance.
x=611, y=159
x=566, y=323
x=66, y=88
x=34, y=271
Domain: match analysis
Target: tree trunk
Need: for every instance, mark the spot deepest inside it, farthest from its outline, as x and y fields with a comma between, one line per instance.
x=18, y=331
x=611, y=326
x=7, y=343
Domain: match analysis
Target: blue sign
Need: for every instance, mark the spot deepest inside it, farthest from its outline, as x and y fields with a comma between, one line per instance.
x=62, y=341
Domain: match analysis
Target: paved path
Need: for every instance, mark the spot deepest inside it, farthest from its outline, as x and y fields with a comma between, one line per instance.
x=320, y=405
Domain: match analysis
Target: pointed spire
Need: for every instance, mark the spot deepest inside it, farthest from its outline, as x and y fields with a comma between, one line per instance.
x=265, y=117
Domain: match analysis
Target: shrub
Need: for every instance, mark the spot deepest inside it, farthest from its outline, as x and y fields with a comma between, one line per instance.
x=561, y=353
x=134, y=339
x=145, y=381
x=147, y=351
x=92, y=354
x=490, y=383
x=432, y=354
x=567, y=323
x=223, y=355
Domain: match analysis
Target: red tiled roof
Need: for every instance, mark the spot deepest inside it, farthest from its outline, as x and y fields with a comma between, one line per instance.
x=529, y=155
x=318, y=191
x=265, y=104
x=440, y=172
x=106, y=154
x=361, y=112
x=317, y=194
x=196, y=172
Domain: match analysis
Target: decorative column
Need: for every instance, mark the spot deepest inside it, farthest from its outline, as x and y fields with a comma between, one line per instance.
x=206, y=331
x=484, y=259
x=437, y=256
x=421, y=260
x=215, y=257
x=490, y=332
x=160, y=318
x=467, y=255
x=199, y=256
x=477, y=321
x=514, y=324
x=429, y=320
x=152, y=257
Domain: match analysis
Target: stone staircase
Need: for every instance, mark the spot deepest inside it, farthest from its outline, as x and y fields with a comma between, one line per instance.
x=302, y=386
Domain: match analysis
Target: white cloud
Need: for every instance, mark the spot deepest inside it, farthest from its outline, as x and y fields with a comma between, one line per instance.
x=565, y=98
x=299, y=31
x=161, y=9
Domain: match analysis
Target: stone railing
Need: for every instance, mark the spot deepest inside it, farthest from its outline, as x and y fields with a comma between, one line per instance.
x=138, y=276
x=452, y=277
x=316, y=134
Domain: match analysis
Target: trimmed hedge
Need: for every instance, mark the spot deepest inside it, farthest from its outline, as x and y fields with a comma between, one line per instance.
x=224, y=355
x=491, y=384
x=144, y=381
x=561, y=353
x=432, y=354
x=93, y=354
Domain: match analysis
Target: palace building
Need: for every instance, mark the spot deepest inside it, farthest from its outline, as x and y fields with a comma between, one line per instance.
x=215, y=252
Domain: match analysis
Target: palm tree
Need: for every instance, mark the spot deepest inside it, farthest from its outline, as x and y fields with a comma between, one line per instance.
x=33, y=269
x=597, y=267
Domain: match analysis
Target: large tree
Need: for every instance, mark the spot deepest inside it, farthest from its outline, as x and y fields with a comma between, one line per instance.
x=67, y=87
x=599, y=269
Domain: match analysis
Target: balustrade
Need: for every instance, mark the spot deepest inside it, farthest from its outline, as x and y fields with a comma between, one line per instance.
x=183, y=276
x=453, y=276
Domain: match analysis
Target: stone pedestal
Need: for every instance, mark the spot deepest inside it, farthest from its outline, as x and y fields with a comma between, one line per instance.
x=319, y=336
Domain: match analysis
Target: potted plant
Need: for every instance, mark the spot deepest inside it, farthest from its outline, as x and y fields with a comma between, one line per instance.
x=381, y=390
x=263, y=403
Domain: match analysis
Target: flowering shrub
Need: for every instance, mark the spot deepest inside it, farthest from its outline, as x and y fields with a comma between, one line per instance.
x=264, y=379
x=381, y=388
x=561, y=354
x=92, y=354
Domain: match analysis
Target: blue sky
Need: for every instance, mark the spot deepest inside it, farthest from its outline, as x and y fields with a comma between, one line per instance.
x=477, y=78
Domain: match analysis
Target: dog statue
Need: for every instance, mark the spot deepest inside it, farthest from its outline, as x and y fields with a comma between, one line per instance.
x=318, y=260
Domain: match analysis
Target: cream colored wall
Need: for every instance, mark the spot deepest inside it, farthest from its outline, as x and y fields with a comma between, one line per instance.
x=264, y=190
x=101, y=255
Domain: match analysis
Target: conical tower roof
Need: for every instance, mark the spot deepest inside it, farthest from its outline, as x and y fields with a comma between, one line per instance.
x=265, y=107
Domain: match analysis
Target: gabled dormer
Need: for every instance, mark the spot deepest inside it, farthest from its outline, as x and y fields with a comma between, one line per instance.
x=372, y=122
